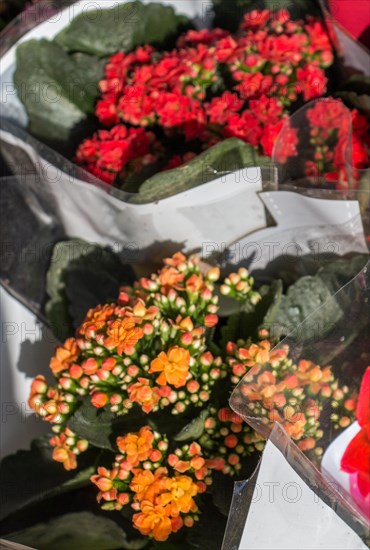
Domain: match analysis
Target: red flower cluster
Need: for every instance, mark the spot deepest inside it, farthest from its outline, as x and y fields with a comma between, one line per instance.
x=356, y=458
x=112, y=152
x=212, y=86
x=334, y=132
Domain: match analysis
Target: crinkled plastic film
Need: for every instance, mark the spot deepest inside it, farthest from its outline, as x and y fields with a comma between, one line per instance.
x=245, y=494
x=344, y=346
x=322, y=134
x=240, y=505
x=96, y=212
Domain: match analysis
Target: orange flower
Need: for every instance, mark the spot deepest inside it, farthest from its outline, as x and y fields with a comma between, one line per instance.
x=260, y=353
x=65, y=447
x=66, y=457
x=195, y=283
x=140, y=482
x=139, y=312
x=147, y=485
x=176, y=260
x=104, y=479
x=123, y=334
x=136, y=446
x=64, y=356
x=170, y=277
x=173, y=366
x=153, y=520
x=179, y=496
x=95, y=320
x=144, y=394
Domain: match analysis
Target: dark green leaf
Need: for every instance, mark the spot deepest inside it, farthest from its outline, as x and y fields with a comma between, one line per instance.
x=233, y=329
x=275, y=295
x=57, y=90
x=209, y=531
x=57, y=306
x=121, y=28
x=356, y=101
x=227, y=156
x=82, y=531
x=194, y=430
x=308, y=294
x=81, y=276
x=33, y=475
x=101, y=428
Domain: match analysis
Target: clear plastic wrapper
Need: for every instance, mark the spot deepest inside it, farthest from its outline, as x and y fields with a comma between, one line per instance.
x=323, y=143
x=318, y=413
x=288, y=504
x=96, y=212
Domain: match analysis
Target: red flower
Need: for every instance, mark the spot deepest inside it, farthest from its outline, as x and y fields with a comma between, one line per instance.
x=253, y=84
x=287, y=145
x=356, y=458
x=220, y=108
x=256, y=19
x=245, y=127
x=204, y=36
x=211, y=86
x=311, y=82
x=269, y=137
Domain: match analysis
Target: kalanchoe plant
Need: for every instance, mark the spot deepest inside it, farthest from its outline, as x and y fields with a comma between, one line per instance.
x=150, y=360
x=213, y=85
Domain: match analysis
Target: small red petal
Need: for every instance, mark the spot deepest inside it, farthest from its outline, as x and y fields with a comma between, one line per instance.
x=356, y=457
x=363, y=405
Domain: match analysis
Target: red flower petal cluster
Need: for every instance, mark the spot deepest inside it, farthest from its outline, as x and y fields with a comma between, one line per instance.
x=213, y=85
x=356, y=459
x=337, y=134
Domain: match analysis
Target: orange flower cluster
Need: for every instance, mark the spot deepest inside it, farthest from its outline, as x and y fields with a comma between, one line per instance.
x=66, y=446
x=181, y=288
x=275, y=389
x=239, y=286
x=163, y=502
x=148, y=353
x=147, y=350
x=228, y=439
x=52, y=404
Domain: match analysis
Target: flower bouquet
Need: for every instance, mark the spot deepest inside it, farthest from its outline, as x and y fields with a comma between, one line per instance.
x=170, y=124
x=144, y=448
x=155, y=110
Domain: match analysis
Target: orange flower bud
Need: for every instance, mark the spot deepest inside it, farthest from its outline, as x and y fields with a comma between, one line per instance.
x=231, y=441
x=99, y=399
x=210, y=320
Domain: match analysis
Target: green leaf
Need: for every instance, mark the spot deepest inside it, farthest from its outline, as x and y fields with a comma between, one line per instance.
x=274, y=295
x=245, y=323
x=121, y=28
x=234, y=329
x=194, y=430
x=356, y=101
x=227, y=156
x=101, y=428
x=208, y=533
x=94, y=278
x=57, y=306
x=33, y=475
x=308, y=294
x=57, y=90
x=81, y=276
x=81, y=530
